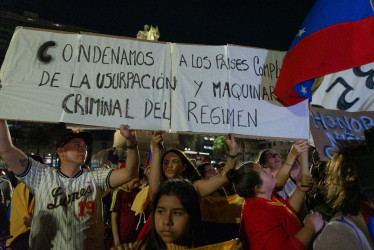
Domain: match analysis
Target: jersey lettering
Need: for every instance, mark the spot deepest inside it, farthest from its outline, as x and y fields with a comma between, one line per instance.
x=61, y=200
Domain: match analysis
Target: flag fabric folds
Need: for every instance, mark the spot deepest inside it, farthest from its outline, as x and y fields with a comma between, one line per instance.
x=212, y=207
x=336, y=35
x=149, y=158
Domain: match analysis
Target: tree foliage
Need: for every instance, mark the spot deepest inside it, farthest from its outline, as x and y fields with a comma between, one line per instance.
x=220, y=147
x=186, y=139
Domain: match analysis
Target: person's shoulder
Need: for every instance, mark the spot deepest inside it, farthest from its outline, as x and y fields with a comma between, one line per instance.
x=256, y=205
x=32, y=163
x=100, y=170
x=335, y=235
x=20, y=186
x=340, y=223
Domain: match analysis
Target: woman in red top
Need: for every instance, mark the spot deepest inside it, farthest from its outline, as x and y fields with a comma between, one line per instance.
x=268, y=221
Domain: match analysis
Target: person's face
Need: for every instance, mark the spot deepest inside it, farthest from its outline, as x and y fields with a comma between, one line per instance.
x=172, y=221
x=75, y=151
x=268, y=180
x=272, y=160
x=210, y=172
x=172, y=165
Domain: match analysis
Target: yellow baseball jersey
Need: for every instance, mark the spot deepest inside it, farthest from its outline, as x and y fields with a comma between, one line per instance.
x=20, y=207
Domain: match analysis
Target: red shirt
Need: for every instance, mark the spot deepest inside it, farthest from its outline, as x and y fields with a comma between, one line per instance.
x=146, y=228
x=127, y=221
x=269, y=224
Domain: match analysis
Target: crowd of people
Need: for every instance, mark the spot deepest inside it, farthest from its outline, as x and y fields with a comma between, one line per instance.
x=173, y=204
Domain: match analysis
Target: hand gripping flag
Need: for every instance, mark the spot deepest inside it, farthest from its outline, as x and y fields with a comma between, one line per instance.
x=336, y=35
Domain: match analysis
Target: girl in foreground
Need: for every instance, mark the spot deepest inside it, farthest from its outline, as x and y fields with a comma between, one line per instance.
x=175, y=164
x=177, y=222
x=268, y=221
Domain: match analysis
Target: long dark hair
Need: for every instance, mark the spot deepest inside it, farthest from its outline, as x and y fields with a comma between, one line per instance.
x=189, y=198
x=341, y=184
x=190, y=173
x=245, y=178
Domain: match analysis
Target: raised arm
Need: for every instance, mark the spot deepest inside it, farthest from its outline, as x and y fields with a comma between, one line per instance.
x=155, y=176
x=284, y=172
x=123, y=175
x=296, y=200
x=206, y=187
x=13, y=157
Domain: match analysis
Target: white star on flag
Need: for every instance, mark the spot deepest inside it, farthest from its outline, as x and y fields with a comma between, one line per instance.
x=301, y=32
x=303, y=90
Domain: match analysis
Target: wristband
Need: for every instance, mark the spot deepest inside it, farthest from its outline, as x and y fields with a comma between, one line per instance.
x=233, y=156
x=288, y=164
x=132, y=146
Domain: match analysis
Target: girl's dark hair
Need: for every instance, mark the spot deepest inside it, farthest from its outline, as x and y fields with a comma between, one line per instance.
x=261, y=156
x=201, y=168
x=245, y=178
x=341, y=184
x=190, y=173
x=189, y=198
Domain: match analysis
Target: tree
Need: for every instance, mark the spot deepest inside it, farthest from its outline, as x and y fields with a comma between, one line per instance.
x=220, y=147
x=186, y=139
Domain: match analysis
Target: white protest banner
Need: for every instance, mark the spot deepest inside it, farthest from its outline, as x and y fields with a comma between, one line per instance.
x=329, y=126
x=229, y=89
x=348, y=90
x=86, y=79
x=104, y=81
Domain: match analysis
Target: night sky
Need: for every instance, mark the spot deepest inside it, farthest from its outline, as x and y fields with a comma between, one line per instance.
x=270, y=24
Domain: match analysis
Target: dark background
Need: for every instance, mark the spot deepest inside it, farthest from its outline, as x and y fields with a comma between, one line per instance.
x=270, y=24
